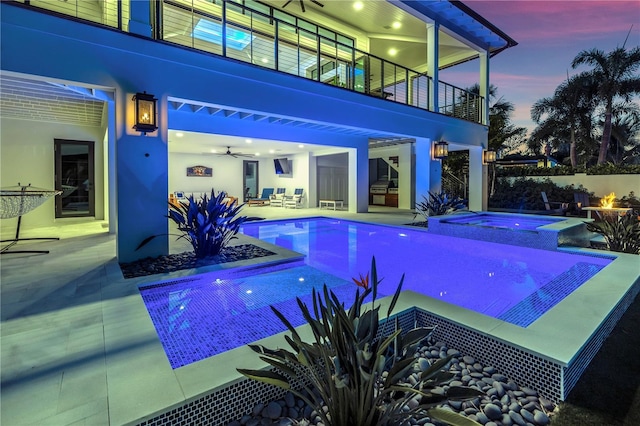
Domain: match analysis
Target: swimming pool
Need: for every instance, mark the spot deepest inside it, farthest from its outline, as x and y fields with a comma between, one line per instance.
x=514, y=284
x=549, y=355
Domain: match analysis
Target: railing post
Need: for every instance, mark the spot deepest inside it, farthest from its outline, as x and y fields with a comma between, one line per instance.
x=140, y=18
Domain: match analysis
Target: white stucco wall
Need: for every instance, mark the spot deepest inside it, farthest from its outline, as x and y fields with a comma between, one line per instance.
x=27, y=156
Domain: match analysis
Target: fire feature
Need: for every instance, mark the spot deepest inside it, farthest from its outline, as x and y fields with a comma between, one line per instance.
x=607, y=201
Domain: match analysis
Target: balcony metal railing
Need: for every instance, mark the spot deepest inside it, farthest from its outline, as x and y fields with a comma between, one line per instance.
x=280, y=42
x=112, y=13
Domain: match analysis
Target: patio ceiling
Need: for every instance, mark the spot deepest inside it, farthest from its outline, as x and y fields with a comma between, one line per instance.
x=36, y=100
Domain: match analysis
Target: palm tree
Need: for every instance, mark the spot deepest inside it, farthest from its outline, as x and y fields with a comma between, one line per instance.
x=565, y=115
x=503, y=135
x=625, y=133
x=614, y=74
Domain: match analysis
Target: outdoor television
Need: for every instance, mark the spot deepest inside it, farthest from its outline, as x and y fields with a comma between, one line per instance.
x=282, y=166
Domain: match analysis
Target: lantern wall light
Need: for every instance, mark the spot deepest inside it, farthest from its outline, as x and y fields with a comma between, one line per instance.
x=440, y=150
x=488, y=156
x=145, y=119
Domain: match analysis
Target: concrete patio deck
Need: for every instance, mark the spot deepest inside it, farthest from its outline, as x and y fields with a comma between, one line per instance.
x=76, y=340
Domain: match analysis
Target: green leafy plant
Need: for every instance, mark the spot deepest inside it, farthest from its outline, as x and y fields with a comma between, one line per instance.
x=341, y=370
x=621, y=233
x=209, y=224
x=439, y=204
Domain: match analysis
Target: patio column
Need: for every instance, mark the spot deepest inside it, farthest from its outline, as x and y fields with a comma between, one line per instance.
x=478, y=175
x=433, y=64
x=428, y=171
x=359, y=178
x=142, y=181
x=484, y=87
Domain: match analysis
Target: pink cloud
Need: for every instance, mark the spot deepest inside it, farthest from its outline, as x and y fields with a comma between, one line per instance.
x=545, y=21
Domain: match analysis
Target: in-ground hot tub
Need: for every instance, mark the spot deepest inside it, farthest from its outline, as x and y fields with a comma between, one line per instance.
x=533, y=231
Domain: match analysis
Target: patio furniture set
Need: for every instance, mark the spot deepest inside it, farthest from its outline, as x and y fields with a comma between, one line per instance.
x=279, y=199
x=581, y=204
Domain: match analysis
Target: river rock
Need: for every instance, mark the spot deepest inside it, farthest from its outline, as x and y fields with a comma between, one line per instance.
x=527, y=415
x=289, y=399
x=273, y=411
x=517, y=418
x=257, y=409
x=492, y=411
x=540, y=418
x=506, y=420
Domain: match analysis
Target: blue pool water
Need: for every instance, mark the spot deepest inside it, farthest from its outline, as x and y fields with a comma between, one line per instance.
x=517, y=223
x=208, y=314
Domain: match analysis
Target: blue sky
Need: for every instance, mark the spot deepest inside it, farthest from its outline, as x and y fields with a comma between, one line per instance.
x=550, y=34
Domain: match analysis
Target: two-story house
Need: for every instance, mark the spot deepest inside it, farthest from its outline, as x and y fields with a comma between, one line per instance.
x=332, y=86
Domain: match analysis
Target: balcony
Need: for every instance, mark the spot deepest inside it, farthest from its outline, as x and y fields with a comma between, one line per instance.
x=268, y=37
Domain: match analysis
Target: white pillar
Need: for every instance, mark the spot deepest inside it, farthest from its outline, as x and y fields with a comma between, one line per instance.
x=110, y=175
x=478, y=175
x=142, y=182
x=433, y=64
x=405, y=178
x=359, y=178
x=484, y=86
x=428, y=171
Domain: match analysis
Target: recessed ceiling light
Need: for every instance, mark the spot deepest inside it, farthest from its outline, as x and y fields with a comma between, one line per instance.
x=358, y=5
x=257, y=154
x=214, y=150
x=179, y=134
x=271, y=151
x=393, y=51
x=265, y=60
x=248, y=141
x=300, y=146
x=396, y=25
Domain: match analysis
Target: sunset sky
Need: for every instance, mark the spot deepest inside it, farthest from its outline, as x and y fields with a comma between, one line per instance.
x=549, y=35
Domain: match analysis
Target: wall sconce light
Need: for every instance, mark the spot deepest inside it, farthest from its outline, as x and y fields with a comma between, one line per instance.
x=440, y=150
x=145, y=120
x=488, y=156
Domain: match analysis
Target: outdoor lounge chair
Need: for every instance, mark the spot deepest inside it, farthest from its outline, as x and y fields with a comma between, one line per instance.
x=581, y=200
x=554, y=207
x=294, y=201
x=264, y=198
x=277, y=199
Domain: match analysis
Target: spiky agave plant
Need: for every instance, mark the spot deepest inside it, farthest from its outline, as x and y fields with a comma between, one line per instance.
x=621, y=233
x=439, y=203
x=209, y=224
x=342, y=368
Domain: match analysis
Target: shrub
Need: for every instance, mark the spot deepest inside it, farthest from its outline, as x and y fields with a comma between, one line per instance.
x=342, y=369
x=621, y=233
x=209, y=224
x=525, y=194
x=439, y=204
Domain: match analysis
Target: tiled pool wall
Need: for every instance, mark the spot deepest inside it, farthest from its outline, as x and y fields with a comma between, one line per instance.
x=547, y=237
x=589, y=350
x=550, y=379
x=231, y=402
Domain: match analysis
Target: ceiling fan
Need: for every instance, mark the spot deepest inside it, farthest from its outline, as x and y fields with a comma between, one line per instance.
x=302, y=4
x=233, y=154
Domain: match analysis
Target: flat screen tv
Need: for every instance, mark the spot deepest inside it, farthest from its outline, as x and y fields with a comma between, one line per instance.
x=282, y=166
